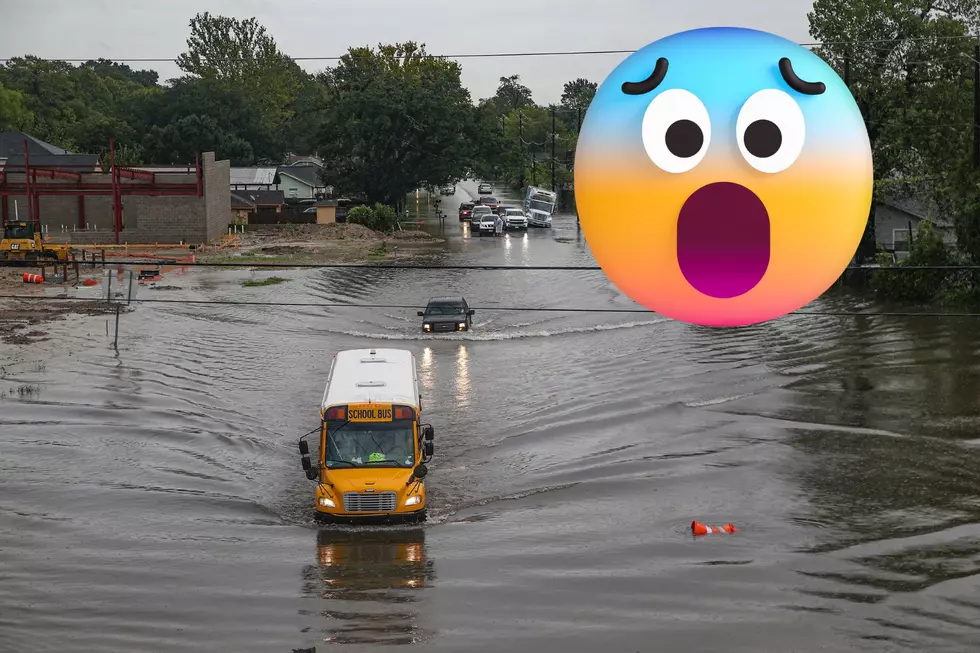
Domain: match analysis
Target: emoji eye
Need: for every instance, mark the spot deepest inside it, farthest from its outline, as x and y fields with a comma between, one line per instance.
x=771, y=130
x=676, y=130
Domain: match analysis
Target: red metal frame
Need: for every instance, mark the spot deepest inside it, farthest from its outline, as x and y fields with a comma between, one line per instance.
x=150, y=185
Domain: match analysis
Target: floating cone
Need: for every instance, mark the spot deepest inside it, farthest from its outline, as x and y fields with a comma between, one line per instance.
x=701, y=529
x=90, y=282
x=33, y=278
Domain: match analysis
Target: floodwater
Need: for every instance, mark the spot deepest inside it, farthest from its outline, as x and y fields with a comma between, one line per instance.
x=152, y=500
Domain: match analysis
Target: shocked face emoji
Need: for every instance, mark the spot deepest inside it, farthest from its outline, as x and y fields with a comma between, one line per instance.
x=723, y=176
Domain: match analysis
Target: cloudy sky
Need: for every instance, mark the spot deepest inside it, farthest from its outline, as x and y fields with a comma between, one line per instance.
x=66, y=29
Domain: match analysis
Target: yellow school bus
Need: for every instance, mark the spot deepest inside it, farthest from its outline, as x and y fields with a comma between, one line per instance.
x=373, y=445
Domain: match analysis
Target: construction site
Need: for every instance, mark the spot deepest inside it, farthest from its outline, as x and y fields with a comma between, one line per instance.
x=73, y=199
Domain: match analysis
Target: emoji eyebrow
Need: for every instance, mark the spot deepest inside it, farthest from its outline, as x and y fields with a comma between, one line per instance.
x=650, y=83
x=797, y=84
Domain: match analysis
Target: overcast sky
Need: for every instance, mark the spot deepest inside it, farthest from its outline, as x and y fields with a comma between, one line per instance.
x=67, y=29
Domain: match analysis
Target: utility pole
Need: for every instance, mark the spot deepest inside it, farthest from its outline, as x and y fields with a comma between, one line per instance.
x=578, y=132
x=520, y=143
x=534, y=170
x=554, y=188
x=976, y=106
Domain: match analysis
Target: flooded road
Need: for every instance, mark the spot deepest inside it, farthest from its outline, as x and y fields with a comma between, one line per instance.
x=152, y=500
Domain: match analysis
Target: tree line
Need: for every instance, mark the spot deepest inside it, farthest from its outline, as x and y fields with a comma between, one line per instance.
x=389, y=119
x=384, y=120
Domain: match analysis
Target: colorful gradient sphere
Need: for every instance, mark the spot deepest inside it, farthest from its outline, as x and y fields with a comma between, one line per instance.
x=723, y=176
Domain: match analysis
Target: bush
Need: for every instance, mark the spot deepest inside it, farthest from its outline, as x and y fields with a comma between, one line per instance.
x=378, y=218
x=385, y=218
x=362, y=215
x=927, y=248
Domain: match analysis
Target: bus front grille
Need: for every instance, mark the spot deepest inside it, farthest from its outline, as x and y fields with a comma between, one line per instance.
x=370, y=501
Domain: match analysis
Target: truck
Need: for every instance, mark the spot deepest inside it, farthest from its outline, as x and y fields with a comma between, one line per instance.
x=373, y=446
x=23, y=242
x=539, y=204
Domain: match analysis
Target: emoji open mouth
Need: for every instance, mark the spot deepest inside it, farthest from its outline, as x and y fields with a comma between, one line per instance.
x=723, y=240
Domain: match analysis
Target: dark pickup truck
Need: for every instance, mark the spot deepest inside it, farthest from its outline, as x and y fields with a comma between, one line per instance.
x=444, y=314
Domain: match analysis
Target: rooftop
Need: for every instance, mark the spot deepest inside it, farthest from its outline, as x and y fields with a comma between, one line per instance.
x=12, y=143
x=384, y=376
x=253, y=176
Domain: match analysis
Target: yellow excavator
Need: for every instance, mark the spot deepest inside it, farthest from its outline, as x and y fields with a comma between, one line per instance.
x=23, y=242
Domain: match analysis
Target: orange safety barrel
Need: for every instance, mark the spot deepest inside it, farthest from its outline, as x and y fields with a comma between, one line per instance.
x=33, y=278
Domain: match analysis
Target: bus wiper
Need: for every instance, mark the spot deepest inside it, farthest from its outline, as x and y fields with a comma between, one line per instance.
x=343, y=462
x=394, y=463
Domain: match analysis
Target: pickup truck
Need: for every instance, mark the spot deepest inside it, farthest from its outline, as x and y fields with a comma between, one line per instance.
x=514, y=218
x=488, y=224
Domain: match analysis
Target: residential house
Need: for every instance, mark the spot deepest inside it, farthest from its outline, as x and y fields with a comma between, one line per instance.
x=259, y=206
x=301, y=181
x=254, y=179
x=241, y=208
x=326, y=211
x=42, y=154
x=897, y=217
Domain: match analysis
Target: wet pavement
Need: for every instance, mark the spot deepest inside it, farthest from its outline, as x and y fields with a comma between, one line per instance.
x=153, y=500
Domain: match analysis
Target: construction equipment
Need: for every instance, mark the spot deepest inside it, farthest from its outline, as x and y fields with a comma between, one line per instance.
x=23, y=242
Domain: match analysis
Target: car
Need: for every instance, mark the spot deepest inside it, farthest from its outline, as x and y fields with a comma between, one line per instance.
x=447, y=190
x=478, y=212
x=484, y=189
x=488, y=223
x=492, y=202
x=513, y=218
x=464, y=210
x=444, y=314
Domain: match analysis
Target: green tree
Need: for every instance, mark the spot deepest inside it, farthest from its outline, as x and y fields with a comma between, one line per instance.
x=906, y=75
x=14, y=114
x=397, y=120
x=927, y=249
x=197, y=115
x=577, y=94
x=241, y=54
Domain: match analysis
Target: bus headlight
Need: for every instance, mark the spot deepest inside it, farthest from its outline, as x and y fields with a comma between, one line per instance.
x=462, y=325
x=412, y=501
x=326, y=503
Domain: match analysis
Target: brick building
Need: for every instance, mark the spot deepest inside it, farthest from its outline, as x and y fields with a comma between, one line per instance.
x=159, y=204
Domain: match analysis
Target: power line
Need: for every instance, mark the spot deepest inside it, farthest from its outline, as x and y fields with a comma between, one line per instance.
x=493, y=55
x=522, y=309
x=383, y=266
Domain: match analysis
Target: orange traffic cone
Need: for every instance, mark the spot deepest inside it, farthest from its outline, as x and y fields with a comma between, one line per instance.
x=33, y=278
x=701, y=529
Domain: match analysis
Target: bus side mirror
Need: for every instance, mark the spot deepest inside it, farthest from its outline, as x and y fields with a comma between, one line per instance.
x=421, y=313
x=471, y=312
x=428, y=432
x=311, y=472
x=428, y=448
x=421, y=471
x=304, y=448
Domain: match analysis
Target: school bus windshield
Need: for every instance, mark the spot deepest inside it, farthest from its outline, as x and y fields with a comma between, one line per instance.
x=370, y=444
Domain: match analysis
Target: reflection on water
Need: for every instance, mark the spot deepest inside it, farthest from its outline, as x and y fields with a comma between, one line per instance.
x=371, y=581
x=462, y=377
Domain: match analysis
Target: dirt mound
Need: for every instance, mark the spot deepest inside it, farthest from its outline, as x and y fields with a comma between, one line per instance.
x=318, y=232
x=413, y=234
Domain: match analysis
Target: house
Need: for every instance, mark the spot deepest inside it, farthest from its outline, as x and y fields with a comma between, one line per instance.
x=258, y=205
x=301, y=181
x=12, y=144
x=42, y=154
x=241, y=208
x=254, y=179
x=326, y=211
x=896, y=217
